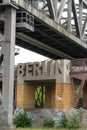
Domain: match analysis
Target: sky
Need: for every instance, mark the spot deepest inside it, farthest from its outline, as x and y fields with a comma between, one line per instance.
x=28, y=56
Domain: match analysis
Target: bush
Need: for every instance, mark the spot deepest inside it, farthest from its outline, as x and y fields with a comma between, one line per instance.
x=64, y=122
x=72, y=121
x=80, y=103
x=48, y=123
x=21, y=120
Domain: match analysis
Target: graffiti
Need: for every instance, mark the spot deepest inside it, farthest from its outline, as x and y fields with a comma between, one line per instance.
x=18, y=111
x=4, y=114
x=38, y=115
x=35, y=116
x=57, y=116
x=3, y=118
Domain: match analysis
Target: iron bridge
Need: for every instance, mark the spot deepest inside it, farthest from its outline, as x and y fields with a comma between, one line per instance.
x=54, y=28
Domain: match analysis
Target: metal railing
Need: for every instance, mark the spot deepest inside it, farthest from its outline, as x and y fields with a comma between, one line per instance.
x=25, y=21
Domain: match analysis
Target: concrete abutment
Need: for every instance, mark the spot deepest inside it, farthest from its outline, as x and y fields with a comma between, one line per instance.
x=54, y=77
x=59, y=90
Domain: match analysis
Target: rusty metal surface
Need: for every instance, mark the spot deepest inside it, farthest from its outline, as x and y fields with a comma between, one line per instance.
x=79, y=94
x=78, y=70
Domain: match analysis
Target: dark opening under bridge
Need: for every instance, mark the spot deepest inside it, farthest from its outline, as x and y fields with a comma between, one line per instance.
x=54, y=28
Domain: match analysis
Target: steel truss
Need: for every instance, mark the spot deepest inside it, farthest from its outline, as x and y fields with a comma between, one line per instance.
x=71, y=14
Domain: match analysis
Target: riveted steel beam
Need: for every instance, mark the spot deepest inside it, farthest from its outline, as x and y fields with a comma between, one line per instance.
x=69, y=15
x=51, y=8
x=61, y=8
x=80, y=15
x=76, y=19
x=84, y=27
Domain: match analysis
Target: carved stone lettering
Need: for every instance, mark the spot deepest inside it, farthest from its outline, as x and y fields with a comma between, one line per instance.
x=44, y=68
x=29, y=69
x=21, y=69
x=58, y=67
x=49, y=69
x=36, y=69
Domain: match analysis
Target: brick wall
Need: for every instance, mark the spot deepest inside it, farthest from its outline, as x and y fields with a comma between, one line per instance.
x=59, y=96
x=49, y=96
x=25, y=96
x=64, y=96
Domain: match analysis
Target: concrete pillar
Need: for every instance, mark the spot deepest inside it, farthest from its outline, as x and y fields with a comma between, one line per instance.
x=25, y=96
x=6, y=109
x=64, y=88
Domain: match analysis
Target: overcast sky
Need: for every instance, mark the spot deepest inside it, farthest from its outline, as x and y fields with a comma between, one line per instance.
x=28, y=56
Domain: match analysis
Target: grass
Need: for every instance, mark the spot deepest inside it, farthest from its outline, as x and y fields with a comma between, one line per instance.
x=39, y=129
x=44, y=129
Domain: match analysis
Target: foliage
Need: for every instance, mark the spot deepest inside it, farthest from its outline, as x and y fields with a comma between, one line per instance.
x=40, y=96
x=72, y=121
x=21, y=120
x=64, y=122
x=80, y=103
x=35, y=128
x=48, y=123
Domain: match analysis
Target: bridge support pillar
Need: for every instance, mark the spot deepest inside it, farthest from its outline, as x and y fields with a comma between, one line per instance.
x=6, y=109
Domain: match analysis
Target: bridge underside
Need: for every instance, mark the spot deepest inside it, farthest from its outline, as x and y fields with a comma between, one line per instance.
x=55, y=35
x=59, y=30
x=49, y=42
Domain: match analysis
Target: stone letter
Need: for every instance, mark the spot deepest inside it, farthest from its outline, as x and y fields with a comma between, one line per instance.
x=36, y=69
x=29, y=70
x=44, y=68
x=50, y=67
x=21, y=69
x=58, y=67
